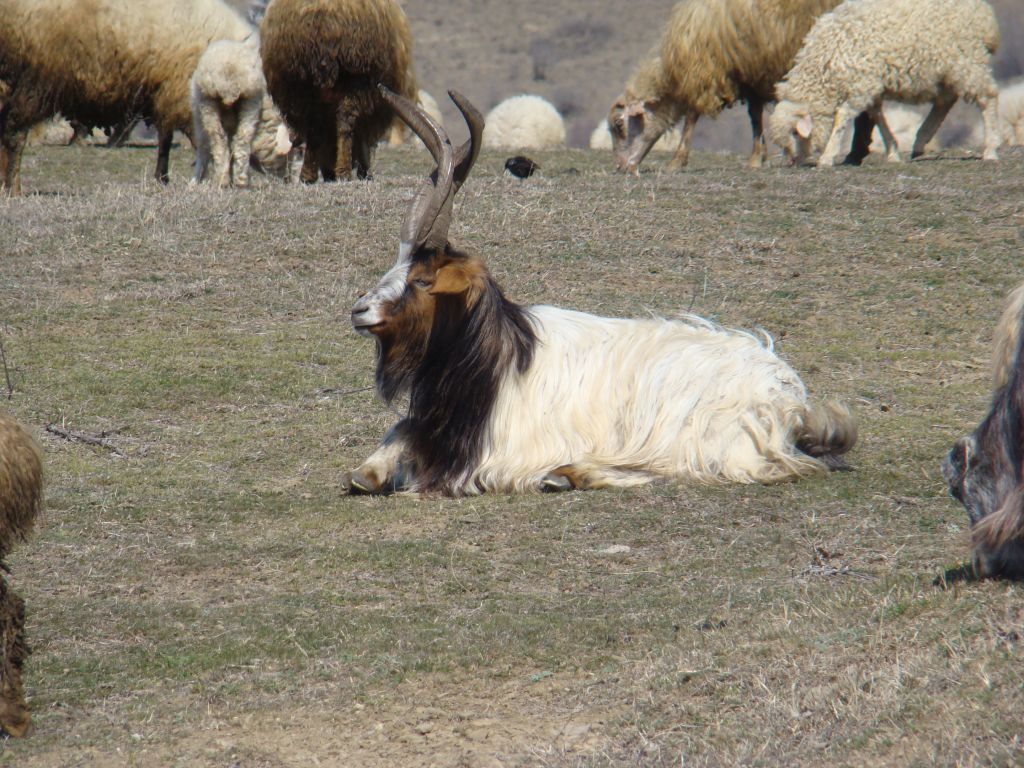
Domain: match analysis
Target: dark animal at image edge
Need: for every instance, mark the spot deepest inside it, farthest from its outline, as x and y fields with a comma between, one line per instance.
x=983, y=469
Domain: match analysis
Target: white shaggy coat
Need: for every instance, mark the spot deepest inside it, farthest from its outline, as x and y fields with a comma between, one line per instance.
x=234, y=117
x=524, y=122
x=914, y=51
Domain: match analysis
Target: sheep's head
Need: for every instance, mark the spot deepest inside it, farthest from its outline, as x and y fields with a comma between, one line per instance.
x=272, y=144
x=635, y=128
x=792, y=127
x=399, y=312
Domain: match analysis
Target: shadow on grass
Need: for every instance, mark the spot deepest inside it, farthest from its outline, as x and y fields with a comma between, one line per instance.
x=967, y=573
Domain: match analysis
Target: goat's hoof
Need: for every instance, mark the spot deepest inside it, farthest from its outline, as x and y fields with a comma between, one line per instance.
x=553, y=483
x=358, y=484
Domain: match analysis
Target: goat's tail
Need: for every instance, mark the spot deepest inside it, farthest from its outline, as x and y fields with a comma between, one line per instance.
x=829, y=430
x=21, y=482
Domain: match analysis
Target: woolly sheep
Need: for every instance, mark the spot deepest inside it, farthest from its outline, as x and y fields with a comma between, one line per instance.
x=21, y=494
x=601, y=138
x=102, y=62
x=231, y=110
x=712, y=54
x=1011, y=117
x=400, y=133
x=868, y=50
x=524, y=122
x=322, y=60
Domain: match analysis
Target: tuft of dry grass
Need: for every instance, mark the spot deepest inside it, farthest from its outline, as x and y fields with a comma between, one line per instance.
x=210, y=597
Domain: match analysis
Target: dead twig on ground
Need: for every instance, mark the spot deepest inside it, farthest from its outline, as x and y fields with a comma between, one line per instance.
x=101, y=440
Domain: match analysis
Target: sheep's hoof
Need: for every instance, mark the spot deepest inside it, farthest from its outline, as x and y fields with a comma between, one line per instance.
x=894, y=157
x=553, y=483
x=989, y=154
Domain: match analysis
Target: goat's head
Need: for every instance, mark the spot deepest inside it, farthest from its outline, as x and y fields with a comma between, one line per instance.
x=635, y=128
x=400, y=310
x=983, y=470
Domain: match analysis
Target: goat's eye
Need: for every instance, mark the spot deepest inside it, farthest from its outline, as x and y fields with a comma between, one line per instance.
x=421, y=283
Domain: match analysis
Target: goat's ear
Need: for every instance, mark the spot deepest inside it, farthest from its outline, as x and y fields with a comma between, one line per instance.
x=451, y=279
x=804, y=126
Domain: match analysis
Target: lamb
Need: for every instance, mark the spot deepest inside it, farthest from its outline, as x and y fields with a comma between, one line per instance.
x=1011, y=117
x=102, y=62
x=524, y=122
x=322, y=59
x=983, y=470
x=230, y=108
x=21, y=494
x=868, y=50
x=712, y=54
x=507, y=398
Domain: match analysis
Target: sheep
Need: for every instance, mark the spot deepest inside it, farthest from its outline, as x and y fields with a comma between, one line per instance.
x=712, y=54
x=506, y=398
x=101, y=62
x=868, y=50
x=321, y=59
x=1011, y=117
x=524, y=122
x=399, y=132
x=21, y=494
x=983, y=470
x=230, y=109
x=601, y=138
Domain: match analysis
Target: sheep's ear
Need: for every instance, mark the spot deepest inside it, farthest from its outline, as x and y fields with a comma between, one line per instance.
x=804, y=126
x=451, y=279
x=282, y=141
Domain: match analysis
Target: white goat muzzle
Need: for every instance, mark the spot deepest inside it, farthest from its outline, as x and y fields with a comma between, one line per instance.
x=368, y=311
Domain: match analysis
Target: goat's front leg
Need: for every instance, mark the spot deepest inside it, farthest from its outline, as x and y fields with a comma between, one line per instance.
x=383, y=471
x=583, y=476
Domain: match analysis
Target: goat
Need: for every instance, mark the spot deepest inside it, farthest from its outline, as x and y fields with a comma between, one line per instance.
x=984, y=469
x=511, y=398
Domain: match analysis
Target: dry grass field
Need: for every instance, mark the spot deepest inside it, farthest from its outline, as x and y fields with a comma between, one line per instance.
x=200, y=593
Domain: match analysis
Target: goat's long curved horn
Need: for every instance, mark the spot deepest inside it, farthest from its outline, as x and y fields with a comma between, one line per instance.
x=467, y=153
x=420, y=226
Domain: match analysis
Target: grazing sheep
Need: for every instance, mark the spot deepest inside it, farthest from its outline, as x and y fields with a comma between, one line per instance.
x=21, y=493
x=984, y=469
x=504, y=397
x=322, y=60
x=868, y=50
x=712, y=54
x=102, y=62
x=601, y=138
x=524, y=122
x=230, y=109
x=400, y=134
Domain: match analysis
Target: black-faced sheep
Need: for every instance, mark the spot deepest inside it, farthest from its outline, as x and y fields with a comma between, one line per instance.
x=235, y=119
x=713, y=53
x=916, y=51
x=322, y=60
x=511, y=398
x=103, y=62
x=21, y=493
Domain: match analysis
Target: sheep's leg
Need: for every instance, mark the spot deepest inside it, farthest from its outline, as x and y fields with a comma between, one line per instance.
x=241, y=143
x=863, y=127
x=382, y=471
x=843, y=115
x=759, y=152
x=202, y=161
x=163, y=154
x=990, y=114
x=216, y=141
x=310, y=170
x=362, y=155
x=682, y=155
x=940, y=108
x=892, y=150
x=14, y=717
x=11, y=147
x=344, y=156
